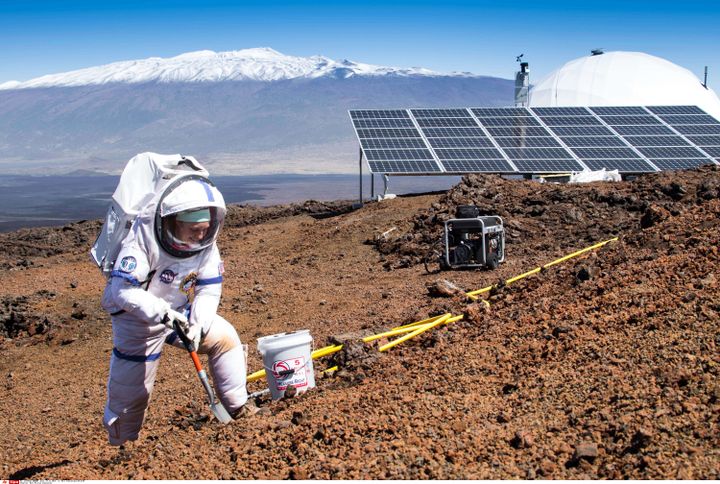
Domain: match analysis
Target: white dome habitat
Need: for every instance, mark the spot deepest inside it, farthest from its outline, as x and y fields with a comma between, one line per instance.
x=623, y=79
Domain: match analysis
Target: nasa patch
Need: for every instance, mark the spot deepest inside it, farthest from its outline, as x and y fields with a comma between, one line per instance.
x=167, y=276
x=128, y=264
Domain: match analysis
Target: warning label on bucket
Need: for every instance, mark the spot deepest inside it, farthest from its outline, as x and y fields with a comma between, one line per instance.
x=290, y=372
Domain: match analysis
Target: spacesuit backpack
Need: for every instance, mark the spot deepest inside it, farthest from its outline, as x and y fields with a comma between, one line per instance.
x=144, y=176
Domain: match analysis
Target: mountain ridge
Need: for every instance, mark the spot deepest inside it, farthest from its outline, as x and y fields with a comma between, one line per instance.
x=254, y=64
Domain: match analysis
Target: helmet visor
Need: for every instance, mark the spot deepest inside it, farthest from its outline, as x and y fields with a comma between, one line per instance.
x=185, y=233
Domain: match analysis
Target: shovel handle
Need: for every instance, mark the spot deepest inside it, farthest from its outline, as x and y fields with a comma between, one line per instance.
x=196, y=360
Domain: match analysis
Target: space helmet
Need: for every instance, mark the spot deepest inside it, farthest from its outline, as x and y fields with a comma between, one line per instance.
x=189, y=216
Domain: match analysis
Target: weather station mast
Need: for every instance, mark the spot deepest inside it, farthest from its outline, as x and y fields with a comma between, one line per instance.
x=522, y=83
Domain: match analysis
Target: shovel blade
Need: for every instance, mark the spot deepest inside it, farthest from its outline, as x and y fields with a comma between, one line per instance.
x=220, y=413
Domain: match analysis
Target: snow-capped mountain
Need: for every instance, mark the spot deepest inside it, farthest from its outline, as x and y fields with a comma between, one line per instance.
x=246, y=112
x=259, y=64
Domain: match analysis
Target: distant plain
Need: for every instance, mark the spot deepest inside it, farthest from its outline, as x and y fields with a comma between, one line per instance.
x=37, y=201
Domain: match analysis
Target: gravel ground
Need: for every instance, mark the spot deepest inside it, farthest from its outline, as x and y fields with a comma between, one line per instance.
x=604, y=366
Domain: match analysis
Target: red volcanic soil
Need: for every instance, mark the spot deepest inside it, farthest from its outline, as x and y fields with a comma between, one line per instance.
x=604, y=366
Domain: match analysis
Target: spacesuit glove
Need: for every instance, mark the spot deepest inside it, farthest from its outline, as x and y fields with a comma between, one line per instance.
x=194, y=334
x=171, y=316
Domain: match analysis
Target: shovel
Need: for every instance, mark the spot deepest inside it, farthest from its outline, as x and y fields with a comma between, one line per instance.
x=217, y=408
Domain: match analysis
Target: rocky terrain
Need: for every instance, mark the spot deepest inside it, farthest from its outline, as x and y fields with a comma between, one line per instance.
x=603, y=366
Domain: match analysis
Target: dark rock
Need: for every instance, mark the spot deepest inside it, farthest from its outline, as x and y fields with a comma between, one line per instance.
x=583, y=274
x=298, y=418
x=522, y=440
x=585, y=451
x=652, y=216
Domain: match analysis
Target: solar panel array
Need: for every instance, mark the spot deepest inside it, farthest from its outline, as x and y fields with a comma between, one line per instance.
x=630, y=139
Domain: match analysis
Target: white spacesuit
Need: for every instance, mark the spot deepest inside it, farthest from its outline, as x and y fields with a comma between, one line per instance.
x=169, y=268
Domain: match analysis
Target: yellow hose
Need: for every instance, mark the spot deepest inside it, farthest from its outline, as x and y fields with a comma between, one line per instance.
x=424, y=321
x=421, y=329
x=393, y=332
x=472, y=294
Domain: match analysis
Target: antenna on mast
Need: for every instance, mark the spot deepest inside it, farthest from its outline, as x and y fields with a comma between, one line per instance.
x=522, y=83
x=705, y=81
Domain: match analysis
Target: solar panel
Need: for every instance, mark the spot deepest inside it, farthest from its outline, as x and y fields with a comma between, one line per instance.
x=529, y=142
x=536, y=140
x=401, y=161
x=388, y=133
x=520, y=131
x=446, y=122
x=453, y=132
x=385, y=143
x=676, y=110
x=689, y=119
x=559, y=111
x=510, y=122
x=548, y=166
x=536, y=153
x=713, y=151
x=671, y=152
x=582, y=131
x=570, y=120
x=592, y=153
x=469, y=154
x=698, y=129
x=409, y=167
x=495, y=112
x=397, y=154
x=705, y=140
x=635, y=165
x=619, y=110
x=379, y=113
x=679, y=163
x=630, y=120
x=478, y=166
x=460, y=142
x=383, y=123
x=588, y=141
x=440, y=113
x=656, y=141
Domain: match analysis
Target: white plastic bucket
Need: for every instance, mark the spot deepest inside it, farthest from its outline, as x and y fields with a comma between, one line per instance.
x=288, y=362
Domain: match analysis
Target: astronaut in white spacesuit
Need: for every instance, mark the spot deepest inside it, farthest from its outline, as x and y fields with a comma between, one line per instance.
x=169, y=268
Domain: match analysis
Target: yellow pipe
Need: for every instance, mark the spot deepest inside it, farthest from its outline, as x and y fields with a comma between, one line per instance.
x=480, y=291
x=328, y=350
x=393, y=332
x=424, y=321
x=523, y=276
x=579, y=252
x=538, y=269
x=416, y=329
x=330, y=369
x=421, y=329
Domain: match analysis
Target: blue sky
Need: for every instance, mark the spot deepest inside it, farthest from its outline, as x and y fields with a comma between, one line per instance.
x=484, y=37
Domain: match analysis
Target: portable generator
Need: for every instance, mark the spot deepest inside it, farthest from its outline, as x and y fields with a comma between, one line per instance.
x=471, y=240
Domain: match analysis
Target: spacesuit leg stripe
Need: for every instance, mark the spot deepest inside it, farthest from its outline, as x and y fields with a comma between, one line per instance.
x=136, y=358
